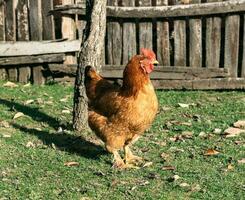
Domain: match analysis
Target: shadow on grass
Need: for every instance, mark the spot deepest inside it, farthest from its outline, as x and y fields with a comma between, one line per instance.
x=65, y=142
x=34, y=113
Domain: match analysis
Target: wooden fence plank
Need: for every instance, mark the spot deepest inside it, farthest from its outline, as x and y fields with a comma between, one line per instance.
x=202, y=84
x=195, y=40
x=145, y=29
x=48, y=22
x=44, y=47
x=129, y=36
x=243, y=59
x=36, y=34
x=180, y=43
x=2, y=22
x=114, y=40
x=20, y=60
x=163, y=55
x=2, y=35
x=23, y=35
x=10, y=33
x=68, y=31
x=232, y=29
x=35, y=20
x=162, y=11
x=213, y=40
x=159, y=73
x=80, y=23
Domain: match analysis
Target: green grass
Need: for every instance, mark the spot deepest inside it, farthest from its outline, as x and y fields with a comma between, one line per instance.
x=33, y=153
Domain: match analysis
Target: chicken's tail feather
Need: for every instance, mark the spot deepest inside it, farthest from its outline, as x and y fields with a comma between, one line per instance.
x=98, y=124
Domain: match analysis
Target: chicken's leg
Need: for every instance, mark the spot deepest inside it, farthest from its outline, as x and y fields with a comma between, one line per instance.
x=129, y=157
x=119, y=163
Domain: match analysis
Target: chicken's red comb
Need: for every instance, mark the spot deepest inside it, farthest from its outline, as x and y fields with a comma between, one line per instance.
x=147, y=53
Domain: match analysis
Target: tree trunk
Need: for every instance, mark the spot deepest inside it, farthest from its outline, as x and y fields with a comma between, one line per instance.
x=90, y=54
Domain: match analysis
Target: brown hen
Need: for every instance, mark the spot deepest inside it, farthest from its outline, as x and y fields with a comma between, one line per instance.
x=119, y=115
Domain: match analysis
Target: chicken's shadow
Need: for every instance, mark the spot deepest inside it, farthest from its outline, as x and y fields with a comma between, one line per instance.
x=63, y=141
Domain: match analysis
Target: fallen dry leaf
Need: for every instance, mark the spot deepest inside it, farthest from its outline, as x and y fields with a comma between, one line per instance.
x=184, y=185
x=211, y=152
x=165, y=156
x=66, y=111
x=238, y=142
x=53, y=146
x=4, y=124
x=176, y=177
x=29, y=102
x=196, y=188
x=233, y=132
x=230, y=167
x=27, y=85
x=242, y=161
x=168, y=168
x=49, y=102
x=186, y=123
x=202, y=134
x=164, y=108
x=239, y=124
x=6, y=136
x=30, y=144
x=64, y=100
x=71, y=164
x=217, y=131
x=183, y=105
x=143, y=182
x=39, y=101
x=173, y=139
x=148, y=164
x=10, y=84
x=187, y=134
x=18, y=114
x=176, y=150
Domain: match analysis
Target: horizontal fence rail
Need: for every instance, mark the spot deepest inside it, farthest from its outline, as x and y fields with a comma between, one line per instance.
x=161, y=11
x=38, y=47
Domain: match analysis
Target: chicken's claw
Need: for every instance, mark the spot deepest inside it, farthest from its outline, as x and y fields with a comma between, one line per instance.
x=119, y=163
x=130, y=158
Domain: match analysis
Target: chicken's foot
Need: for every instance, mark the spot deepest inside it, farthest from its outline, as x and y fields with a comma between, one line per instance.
x=129, y=157
x=119, y=163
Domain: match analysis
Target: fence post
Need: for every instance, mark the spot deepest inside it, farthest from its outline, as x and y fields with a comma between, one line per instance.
x=232, y=26
x=68, y=31
x=243, y=58
x=36, y=31
x=10, y=33
x=2, y=36
x=47, y=20
x=179, y=41
x=114, y=40
x=129, y=36
x=163, y=54
x=23, y=35
x=195, y=40
x=213, y=40
x=145, y=29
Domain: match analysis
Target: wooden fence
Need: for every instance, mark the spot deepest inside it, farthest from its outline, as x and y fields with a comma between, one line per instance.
x=199, y=44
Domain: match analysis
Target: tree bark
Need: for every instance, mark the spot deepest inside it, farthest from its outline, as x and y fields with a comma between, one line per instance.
x=90, y=54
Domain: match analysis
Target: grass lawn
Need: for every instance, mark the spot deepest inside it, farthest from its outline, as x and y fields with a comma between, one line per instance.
x=35, y=147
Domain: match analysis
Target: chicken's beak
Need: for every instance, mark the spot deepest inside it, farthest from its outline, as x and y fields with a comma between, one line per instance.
x=155, y=62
